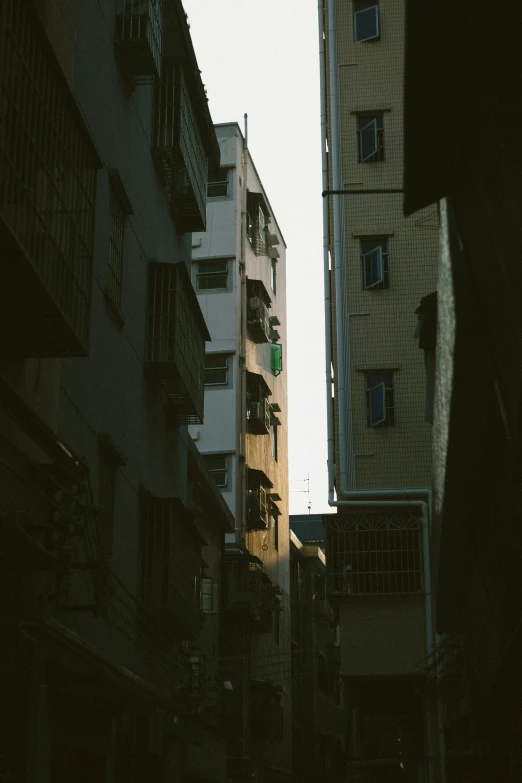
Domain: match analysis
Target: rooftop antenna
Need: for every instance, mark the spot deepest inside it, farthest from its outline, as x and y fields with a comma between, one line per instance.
x=246, y=128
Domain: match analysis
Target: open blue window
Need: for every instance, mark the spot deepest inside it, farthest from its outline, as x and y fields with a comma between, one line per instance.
x=366, y=21
x=373, y=268
x=377, y=411
x=380, y=398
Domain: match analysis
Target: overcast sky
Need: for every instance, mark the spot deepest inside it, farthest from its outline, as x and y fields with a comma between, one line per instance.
x=261, y=57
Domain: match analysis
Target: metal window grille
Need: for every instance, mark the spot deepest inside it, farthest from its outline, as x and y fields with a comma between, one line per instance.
x=373, y=380
x=176, y=339
x=116, y=239
x=48, y=171
x=366, y=21
x=218, y=183
x=107, y=472
x=370, y=138
x=170, y=561
x=178, y=146
x=375, y=554
x=217, y=467
x=257, y=221
x=258, y=407
x=140, y=35
x=216, y=369
x=212, y=275
x=274, y=441
x=257, y=501
x=375, y=274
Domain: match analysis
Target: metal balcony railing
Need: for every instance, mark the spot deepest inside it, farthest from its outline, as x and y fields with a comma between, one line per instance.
x=179, y=149
x=176, y=338
x=48, y=167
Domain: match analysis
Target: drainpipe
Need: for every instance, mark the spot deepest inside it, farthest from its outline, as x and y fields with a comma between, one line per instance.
x=326, y=259
x=342, y=330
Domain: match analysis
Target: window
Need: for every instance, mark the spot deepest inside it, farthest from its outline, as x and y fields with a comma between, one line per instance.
x=379, y=398
x=217, y=183
x=370, y=138
x=217, y=465
x=275, y=531
x=209, y=596
x=274, y=441
x=107, y=470
x=116, y=236
x=216, y=369
x=374, y=264
x=273, y=274
x=212, y=275
x=365, y=21
x=257, y=223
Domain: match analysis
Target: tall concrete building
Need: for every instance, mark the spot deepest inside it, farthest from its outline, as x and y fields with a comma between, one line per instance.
x=111, y=526
x=239, y=272
x=379, y=267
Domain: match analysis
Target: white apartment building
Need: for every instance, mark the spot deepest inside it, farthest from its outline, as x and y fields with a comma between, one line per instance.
x=239, y=273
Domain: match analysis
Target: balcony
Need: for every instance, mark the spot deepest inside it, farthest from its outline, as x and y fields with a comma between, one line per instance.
x=178, y=148
x=258, y=485
x=48, y=170
x=175, y=351
x=139, y=25
x=258, y=407
x=258, y=311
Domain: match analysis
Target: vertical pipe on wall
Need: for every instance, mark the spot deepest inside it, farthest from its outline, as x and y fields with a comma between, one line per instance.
x=326, y=259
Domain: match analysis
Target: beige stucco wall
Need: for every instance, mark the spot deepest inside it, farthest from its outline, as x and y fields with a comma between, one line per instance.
x=382, y=322
x=382, y=636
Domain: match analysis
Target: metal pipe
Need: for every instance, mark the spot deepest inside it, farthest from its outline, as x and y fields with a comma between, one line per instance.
x=342, y=325
x=326, y=259
x=241, y=452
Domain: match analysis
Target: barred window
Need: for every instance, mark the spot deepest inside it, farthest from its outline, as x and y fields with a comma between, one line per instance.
x=375, y=554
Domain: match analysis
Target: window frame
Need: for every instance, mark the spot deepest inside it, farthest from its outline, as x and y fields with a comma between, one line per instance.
x=385, y=381
x=213, y=182
x=209, y=596
x=211, y=273
x=217, y=470
x=224, y=367
x=363, y=8
x=364, y=121
x=367, y=245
